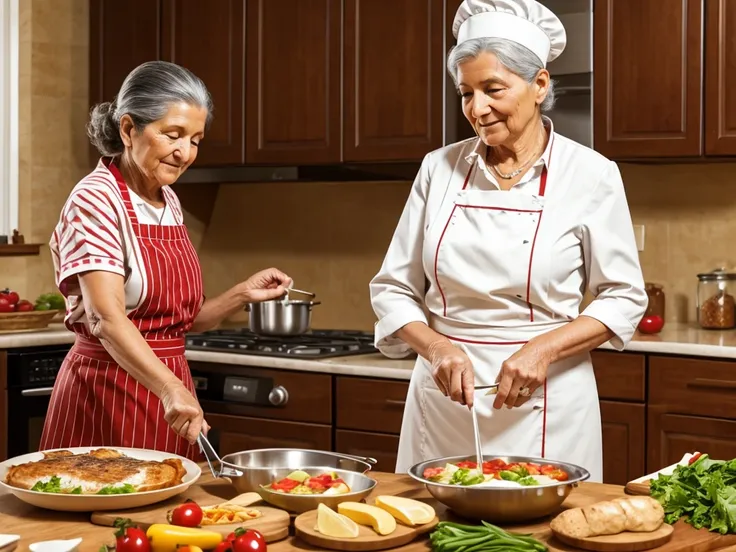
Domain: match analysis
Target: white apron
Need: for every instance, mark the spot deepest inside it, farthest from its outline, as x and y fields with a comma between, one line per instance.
x=488, y=259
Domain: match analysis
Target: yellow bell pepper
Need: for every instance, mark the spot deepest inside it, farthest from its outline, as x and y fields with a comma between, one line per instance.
x=166, y=538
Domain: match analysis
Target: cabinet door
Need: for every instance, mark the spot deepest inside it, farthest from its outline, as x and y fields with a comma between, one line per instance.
x=720, y=78
x=293, y=76
x=208, y=39
x=647, y=78
x=624, y=430
x=235, y=433
x=394, y=69
x=384, y=448
x=115, y=49
x=671, y=436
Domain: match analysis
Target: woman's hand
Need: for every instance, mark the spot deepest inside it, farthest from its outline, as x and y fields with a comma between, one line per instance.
x=521, y=374
x=265, y=285
x=452, y=371
x=182, y=411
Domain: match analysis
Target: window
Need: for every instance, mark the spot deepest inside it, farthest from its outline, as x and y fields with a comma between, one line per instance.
x=9, y=45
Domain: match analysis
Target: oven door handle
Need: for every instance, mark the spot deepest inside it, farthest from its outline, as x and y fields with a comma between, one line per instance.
x=39, y=392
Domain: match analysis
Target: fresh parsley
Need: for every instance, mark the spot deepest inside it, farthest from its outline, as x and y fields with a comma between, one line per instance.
x=704, y=491
x=53, y=485
x=110, y=490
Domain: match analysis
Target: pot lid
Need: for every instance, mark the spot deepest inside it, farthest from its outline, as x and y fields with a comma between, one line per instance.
x=718, y=274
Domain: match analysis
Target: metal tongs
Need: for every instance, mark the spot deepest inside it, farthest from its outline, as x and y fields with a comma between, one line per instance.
x=492, y=389
x=213, y=460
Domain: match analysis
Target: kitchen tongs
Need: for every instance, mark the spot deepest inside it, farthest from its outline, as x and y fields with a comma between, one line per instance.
x=213, y=460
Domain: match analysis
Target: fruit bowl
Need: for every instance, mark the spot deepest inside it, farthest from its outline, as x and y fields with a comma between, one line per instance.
x=26, y=321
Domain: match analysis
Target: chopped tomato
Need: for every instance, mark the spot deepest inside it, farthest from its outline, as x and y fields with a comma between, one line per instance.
x=532, y=468
x=429, y=473
x=285, y=484
x=694, y=458
x=553, y=472
x=336, y=482
x=492, y=466
x=467, y=465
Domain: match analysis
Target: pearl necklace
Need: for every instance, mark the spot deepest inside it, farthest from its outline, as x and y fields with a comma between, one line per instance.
x=517, y=172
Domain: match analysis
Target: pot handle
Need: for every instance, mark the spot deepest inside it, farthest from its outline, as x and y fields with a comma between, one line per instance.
x=247, y=307
x=315, y=303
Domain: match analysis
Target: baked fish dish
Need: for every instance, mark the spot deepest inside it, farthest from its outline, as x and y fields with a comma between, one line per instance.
x=98, y=472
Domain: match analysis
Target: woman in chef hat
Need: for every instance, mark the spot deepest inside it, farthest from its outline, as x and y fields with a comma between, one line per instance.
x=499, y=239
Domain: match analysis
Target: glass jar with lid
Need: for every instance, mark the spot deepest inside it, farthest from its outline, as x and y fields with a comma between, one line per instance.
x=715, y=300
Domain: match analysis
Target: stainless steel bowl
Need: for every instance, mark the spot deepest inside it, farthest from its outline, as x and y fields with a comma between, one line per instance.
x=279, y=317
x=360, y=486
x=257, y=465
x=501, y=504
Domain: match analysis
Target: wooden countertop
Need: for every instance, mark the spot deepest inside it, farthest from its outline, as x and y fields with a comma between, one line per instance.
x=35, y=524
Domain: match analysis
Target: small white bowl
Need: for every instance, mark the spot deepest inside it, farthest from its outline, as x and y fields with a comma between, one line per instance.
x=55, y=545
x=8, y=542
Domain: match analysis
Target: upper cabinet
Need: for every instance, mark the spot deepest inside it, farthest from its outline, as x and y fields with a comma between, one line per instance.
x=393, y=63
x=294, y=82
x=665, y=78
x=209, y=40
x=647, y=78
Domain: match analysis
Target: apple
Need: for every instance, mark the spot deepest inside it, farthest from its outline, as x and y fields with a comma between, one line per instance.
x=24, y=306
x=5, y=305
x=651, y=324
x=11, y=296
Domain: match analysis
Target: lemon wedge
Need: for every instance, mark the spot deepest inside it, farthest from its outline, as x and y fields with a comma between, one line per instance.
x=333, y=524
x=406, y=510
x=382, y=522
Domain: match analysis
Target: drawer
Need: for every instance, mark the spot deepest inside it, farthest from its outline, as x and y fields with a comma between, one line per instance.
x=307, y=397
x=693, y=386
x=620, y=376
x=370, y=404
x=384, y=448
x=231, y=434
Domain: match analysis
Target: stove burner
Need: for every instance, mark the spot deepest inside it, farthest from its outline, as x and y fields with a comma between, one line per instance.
x=316, y=344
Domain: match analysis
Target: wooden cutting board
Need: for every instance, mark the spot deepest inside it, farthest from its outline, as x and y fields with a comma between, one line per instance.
x=367, y=539
x=273, y=524
x=623, y=542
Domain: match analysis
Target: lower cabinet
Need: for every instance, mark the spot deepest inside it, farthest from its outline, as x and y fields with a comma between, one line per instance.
x=230, y=434
x=381, y=446
x=624, y=441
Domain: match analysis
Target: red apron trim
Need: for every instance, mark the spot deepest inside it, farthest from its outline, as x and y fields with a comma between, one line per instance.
x=437, y=256
x=499, y=208
x=164, y=348
x=474, y=342
x=544, y=420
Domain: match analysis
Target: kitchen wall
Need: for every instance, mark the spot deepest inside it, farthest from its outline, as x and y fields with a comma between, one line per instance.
x=331, y=237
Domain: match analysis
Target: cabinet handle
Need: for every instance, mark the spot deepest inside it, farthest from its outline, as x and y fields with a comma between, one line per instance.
x=712, y=384
x=396, y=402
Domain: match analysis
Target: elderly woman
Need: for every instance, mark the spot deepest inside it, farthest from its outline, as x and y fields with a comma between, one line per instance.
x=500, y=236
x=131, y=276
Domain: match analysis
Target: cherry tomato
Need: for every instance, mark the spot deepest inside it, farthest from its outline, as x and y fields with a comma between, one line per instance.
x=11, y=296
x=24, y=306
x=188, y=514
x=651, y=324
x=130, y=538
x=247, y=541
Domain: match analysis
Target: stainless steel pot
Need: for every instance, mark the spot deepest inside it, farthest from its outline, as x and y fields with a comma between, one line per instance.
x=501, y=504
x=280, y=317
x=257, y=466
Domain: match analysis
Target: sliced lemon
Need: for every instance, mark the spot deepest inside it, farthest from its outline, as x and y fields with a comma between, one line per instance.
x=333, y=524
x=406, y=510
x=382, y=522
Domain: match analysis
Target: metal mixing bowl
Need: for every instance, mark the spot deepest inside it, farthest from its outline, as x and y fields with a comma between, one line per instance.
x=501, y=504
x=258, y=465
x=360, y=487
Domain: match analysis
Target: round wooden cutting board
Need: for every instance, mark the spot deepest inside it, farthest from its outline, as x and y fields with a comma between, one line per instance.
x=367, y=539
x=623, y=542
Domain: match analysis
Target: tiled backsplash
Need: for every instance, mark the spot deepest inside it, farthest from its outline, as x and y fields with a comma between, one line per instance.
x=331, y=237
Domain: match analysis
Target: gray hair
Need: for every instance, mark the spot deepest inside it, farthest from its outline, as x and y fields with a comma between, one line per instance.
x=518, y=59
x=146, y=95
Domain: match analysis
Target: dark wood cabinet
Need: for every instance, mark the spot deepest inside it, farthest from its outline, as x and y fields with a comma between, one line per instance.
x=648, y=60
x=384, y=448
x=293, y=81
x=394, y=77
x=235, y=433
x=209, y=40
x=720, y=78
x=624, y=441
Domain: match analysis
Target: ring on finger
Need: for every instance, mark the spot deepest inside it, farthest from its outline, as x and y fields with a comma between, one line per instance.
x=524, y=392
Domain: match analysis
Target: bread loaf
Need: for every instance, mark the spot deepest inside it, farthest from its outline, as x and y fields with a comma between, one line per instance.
x=636, y=513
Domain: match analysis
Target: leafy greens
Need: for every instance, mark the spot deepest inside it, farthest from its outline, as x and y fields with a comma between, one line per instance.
x=704, y=491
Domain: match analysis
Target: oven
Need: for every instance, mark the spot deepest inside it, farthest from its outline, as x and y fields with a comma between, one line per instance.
x=31, y=376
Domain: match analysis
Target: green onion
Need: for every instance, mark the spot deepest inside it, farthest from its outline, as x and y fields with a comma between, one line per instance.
x=455, y=537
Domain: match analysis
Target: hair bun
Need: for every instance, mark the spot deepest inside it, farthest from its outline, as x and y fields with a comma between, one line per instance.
x=103, y=129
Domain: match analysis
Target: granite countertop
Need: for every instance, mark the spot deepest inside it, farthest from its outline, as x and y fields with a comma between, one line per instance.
x=675, y=339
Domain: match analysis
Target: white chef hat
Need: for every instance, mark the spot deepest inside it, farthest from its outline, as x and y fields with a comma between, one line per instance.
x=526, y=22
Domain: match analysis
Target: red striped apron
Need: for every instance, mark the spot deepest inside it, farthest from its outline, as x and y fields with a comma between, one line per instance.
x=95, y=402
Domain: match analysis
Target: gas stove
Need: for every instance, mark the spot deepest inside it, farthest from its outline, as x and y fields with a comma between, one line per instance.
x=315, y=344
